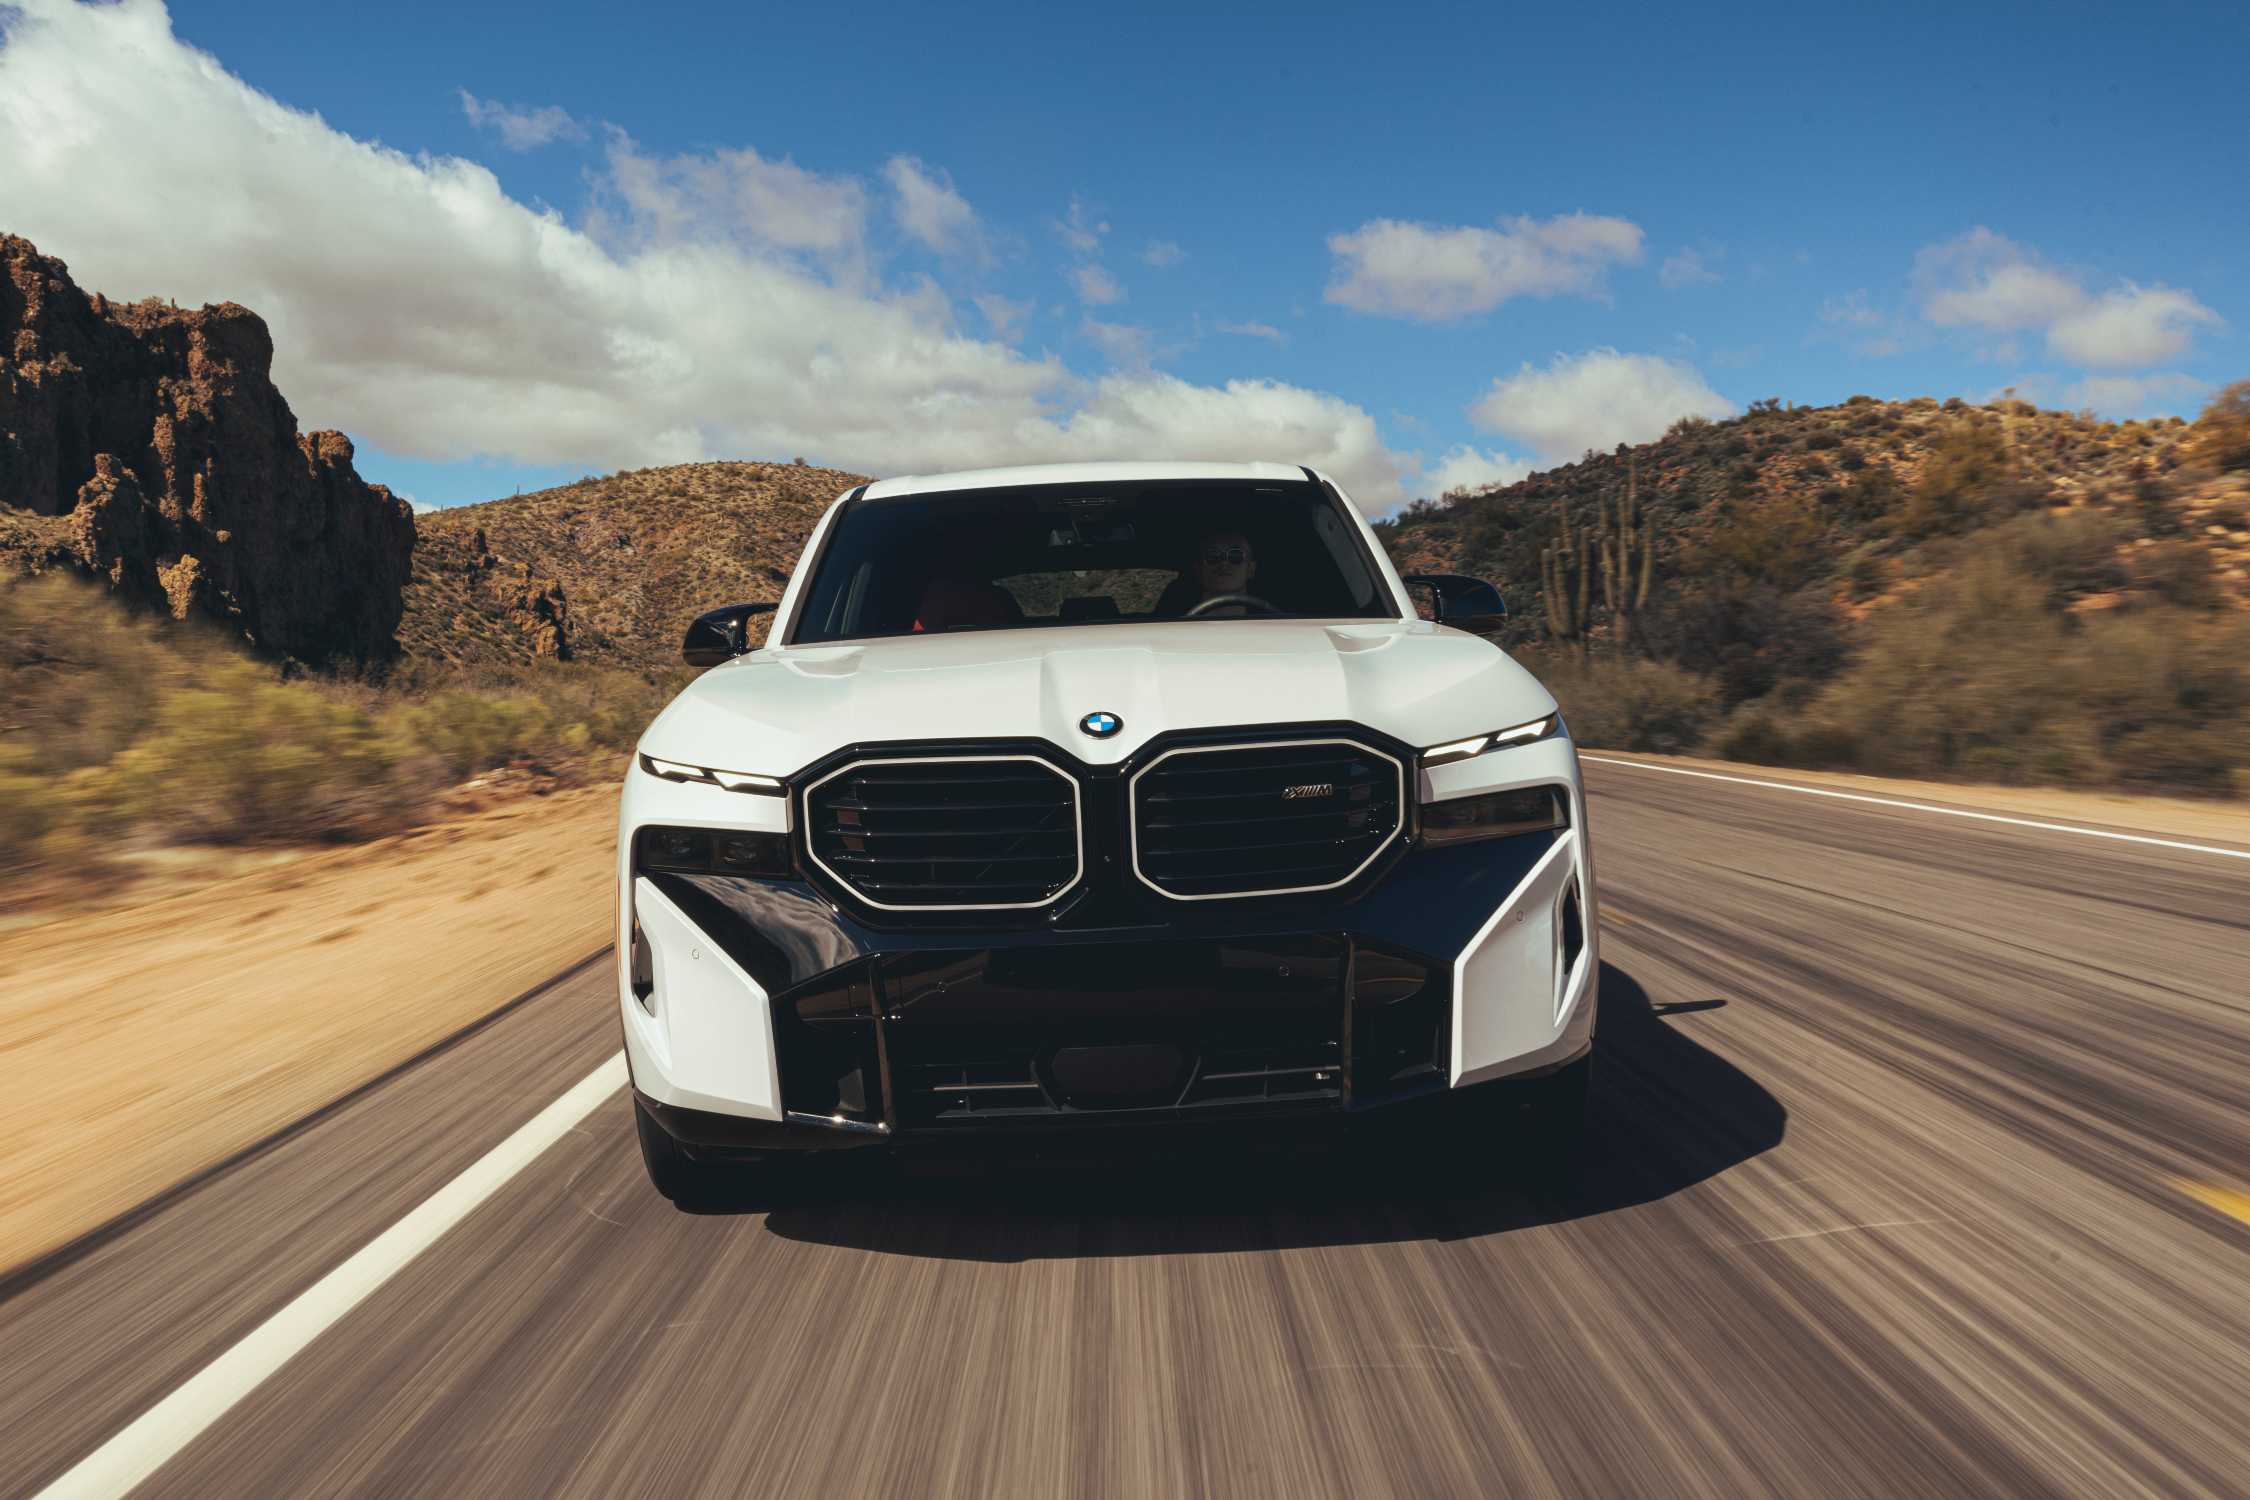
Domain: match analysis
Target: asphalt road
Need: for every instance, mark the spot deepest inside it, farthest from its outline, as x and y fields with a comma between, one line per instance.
x=1912, y=1143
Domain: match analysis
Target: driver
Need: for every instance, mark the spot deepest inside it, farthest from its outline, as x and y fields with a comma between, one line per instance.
x=1224, y=564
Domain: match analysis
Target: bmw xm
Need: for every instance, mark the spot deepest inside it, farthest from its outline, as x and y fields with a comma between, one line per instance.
x=1098, y=796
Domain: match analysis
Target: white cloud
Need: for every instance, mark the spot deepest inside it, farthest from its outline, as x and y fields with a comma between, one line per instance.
x=1685, y=268
x=1162, y=253
x=1123, y=344
x=1468, y=468
x=1595, y=400
x=1096, y=287
x=418, y=306
x=2131, y=325
x=1255, y=331
x=521, y=129
x=1081, y=227
x=1436, y=273
x=1004, y=315
x=419, y=507
x=1984, y=280
x=930, y=210
x=732, y=193
x=2162, y=392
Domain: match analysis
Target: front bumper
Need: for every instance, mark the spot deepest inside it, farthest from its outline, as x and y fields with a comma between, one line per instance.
x=768, y=1017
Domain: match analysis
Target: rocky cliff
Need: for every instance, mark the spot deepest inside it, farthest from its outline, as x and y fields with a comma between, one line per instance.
x=147, y=444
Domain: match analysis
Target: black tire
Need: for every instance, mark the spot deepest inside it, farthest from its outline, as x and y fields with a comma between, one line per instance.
x=671, y=1170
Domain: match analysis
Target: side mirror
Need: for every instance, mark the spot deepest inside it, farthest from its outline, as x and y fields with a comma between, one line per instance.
x=720, y=635
x=1464, y=603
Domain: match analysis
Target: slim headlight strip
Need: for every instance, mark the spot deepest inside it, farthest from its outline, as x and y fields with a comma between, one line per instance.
x=1505, y=739
x=733, y=781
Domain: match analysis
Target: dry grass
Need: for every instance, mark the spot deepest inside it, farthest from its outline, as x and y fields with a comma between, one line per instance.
x=121, y=731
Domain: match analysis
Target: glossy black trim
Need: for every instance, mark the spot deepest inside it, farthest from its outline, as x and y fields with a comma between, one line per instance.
x=1106, y=895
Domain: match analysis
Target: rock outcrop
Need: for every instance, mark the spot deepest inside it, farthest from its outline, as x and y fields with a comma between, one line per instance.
x=147, y=444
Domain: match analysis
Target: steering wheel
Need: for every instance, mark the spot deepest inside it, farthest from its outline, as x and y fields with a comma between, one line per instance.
x=1251, y=600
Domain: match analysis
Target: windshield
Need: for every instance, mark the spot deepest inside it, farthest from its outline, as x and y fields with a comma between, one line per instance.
x=1089, y=554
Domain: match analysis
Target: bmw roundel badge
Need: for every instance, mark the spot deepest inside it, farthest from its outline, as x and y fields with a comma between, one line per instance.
x=1101, y=724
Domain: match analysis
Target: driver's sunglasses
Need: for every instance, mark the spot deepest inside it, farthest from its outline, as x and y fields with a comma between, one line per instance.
x=1232, y=557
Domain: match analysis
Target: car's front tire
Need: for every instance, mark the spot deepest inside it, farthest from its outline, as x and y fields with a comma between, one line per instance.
x=671, y=1170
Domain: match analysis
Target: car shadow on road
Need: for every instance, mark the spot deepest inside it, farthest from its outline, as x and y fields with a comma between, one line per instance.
x=1666, y=1113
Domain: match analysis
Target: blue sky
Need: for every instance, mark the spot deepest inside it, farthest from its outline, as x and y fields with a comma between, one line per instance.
x=1415, y=244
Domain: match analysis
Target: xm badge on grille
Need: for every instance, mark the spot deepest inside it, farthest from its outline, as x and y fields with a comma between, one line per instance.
x=1309, y=789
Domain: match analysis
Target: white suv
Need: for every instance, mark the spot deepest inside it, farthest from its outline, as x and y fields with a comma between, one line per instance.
x=1103, y=794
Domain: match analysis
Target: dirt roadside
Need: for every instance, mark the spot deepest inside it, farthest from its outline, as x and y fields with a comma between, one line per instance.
x=138, y=1046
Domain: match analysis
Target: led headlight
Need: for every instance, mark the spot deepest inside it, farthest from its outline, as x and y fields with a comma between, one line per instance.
x=711, y=851
x=1522, y=734
x=1496, y=815
x=733, y=781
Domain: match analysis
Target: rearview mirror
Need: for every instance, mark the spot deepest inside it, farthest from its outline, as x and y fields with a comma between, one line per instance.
x=720, y=635
x=1462, y=602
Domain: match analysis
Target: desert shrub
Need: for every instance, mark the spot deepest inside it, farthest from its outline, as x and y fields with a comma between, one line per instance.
x=1966, y=481
x=2231, y=514
x=1957, y=678
x=1820, y=439
x=119, y=728
x=240, y=757
x=2073, y=553
x=1815, y=469
x=1778, y=539
x=1747, y=639
x=1851, y=461
x=1868, y=572
x=1979, y=676
x=1623, y=703
x=2221, y=436
x=80, y=674
x=2178, y=572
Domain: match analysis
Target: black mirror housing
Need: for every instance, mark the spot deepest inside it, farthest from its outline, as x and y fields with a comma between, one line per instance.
x=1462, y=602
x=720, y=635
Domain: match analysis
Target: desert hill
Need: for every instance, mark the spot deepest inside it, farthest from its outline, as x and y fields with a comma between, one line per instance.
x=1857, y=488
x=609, y=569
x=1912, y=588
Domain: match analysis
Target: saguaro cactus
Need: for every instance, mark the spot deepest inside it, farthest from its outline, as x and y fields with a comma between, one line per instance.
x=1626, y=555
x=1563, y=568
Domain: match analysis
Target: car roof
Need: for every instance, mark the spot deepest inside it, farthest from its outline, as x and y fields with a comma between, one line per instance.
x=1101, y=473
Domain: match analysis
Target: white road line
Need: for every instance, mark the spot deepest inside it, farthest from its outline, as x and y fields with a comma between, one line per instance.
x=142, y=1446
x=1950, y=812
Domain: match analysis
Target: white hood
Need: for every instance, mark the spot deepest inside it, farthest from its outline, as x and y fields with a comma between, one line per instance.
x=779, y=710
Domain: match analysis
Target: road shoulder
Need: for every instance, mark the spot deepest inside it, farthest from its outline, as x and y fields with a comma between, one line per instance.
x=2215, y=820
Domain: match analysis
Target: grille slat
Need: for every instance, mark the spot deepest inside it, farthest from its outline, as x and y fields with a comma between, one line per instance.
x=1199, y=813
x=937, y=834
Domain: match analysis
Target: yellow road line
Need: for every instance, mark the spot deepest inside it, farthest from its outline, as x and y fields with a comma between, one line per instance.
x=2226, y=1200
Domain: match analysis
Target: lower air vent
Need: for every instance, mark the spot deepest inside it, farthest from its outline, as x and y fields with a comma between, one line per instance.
x=974, y=833
x=1263, y=820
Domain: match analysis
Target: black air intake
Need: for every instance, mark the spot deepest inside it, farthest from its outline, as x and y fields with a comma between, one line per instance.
x=975, y=833
x=1250, y=820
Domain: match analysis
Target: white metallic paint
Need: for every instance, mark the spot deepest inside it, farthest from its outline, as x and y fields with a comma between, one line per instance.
x=784, y=707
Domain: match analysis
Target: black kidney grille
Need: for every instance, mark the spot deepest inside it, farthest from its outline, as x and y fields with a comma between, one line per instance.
x=1247, y=820
x=947, y=833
